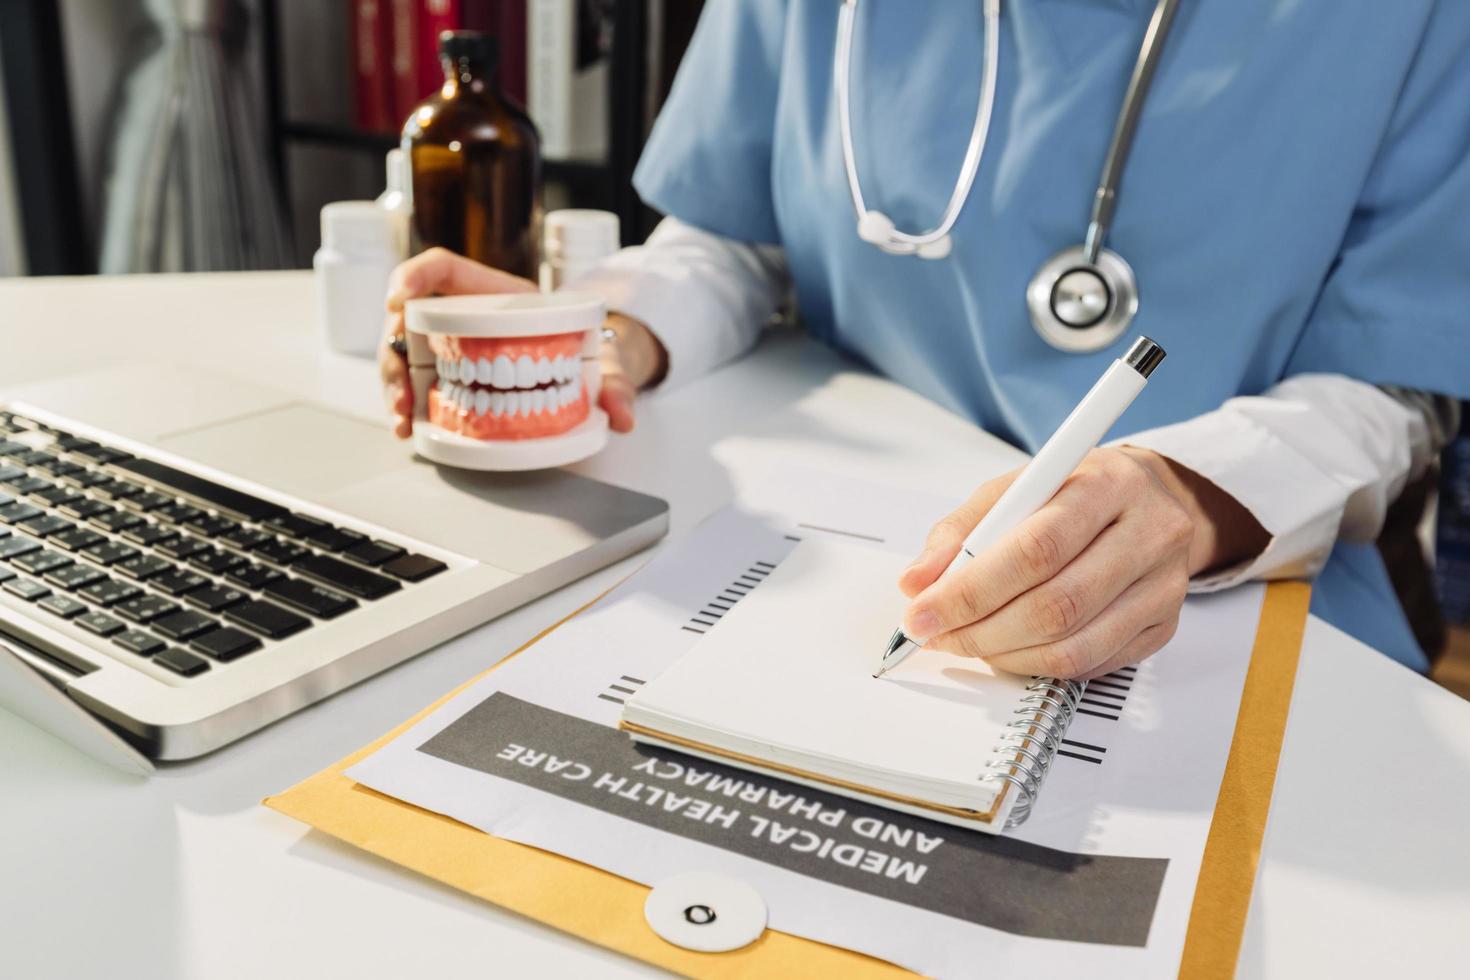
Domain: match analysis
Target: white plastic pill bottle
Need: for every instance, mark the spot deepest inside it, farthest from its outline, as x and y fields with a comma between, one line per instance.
x=574, y=241
x=357, y=255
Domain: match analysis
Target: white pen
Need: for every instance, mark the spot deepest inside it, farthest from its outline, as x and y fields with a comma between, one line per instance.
x=1050, y=467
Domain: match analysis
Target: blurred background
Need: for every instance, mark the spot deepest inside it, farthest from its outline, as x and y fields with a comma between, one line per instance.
x=123, y=121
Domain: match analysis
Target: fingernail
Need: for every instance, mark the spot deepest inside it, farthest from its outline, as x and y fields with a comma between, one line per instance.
x=922, y=625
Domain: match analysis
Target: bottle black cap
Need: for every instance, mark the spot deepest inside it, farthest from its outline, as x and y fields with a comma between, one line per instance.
x=473, y=47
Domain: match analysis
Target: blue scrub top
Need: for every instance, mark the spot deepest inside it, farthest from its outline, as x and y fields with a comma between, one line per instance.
x=1297, y=199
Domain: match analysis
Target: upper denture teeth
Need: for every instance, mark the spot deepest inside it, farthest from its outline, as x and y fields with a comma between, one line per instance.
x=525, y=372
x=484, y=371
x=466, y=370
x=503, y=373
x=543, y=370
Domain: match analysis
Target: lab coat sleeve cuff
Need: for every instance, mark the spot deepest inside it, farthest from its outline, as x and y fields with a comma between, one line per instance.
x=653, y=301
x=1298, y=505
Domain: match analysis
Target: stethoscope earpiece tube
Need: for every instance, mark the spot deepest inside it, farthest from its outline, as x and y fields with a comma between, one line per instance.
x=1085, y=296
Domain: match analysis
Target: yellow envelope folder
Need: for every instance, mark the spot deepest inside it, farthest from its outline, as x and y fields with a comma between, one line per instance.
x=608, y=910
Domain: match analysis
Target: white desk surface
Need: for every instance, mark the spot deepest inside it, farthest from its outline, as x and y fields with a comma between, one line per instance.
x=1365, y=870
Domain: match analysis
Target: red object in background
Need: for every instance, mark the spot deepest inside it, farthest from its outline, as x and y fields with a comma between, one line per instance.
x=505, y=20
x=434, y=17
x=403, y=63
x=372, y=84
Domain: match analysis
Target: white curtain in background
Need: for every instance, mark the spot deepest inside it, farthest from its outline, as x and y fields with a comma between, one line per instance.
x=188, y=186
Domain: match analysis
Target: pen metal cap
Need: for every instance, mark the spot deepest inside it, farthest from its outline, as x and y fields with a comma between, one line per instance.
x=1144, y=356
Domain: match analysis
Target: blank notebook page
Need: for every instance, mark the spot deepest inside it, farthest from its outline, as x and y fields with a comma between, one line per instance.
x=787, y=676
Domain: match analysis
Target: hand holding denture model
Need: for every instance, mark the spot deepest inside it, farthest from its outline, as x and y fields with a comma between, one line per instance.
x=506, y=382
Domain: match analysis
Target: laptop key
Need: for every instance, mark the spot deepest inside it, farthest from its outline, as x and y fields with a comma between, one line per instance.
x=182, y=548
x=267, y=619
x=17, y=512
x=59, y=467
x=62, y=605
x=6, y=574
x=182, y=662
x=183, y=625
x=225, y=644
x=214, y=598
x=373, y=552
x=30, y=484
x=216, y=560
x=115, y=489
x=86, y=478
x=215, y=494
x=143, y=567
x=9, y=471
x=101, y=454
x=414, y=568
x=246, y=537
x=115, y=520
x=139, y=642
x=26, y=589
x=72, y=577
x=349, y=578
x=77, y=538
x=252, y=576
x=179, y=513
x=12, y=548
x=148, y=500
x=335, y=538
x=145, y=608
x=109, y=592
x=212, y=525
x=295, y=525
x=300, y=594
x=84, y=508
x=149, y=535
x=100, y=623
x=110, y=552
x=46, y=524
x=177, y=581
x=56, y=496
x=40, y=562
x=281, y=552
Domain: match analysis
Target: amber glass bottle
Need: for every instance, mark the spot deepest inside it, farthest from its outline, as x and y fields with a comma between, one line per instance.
x=475, y=161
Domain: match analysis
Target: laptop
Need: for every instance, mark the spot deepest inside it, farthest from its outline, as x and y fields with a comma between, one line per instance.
x=186, y=558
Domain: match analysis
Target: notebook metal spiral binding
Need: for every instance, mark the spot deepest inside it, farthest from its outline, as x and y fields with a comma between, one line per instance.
x=1029, y=746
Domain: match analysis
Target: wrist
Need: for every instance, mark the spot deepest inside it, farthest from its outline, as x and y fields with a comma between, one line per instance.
x=1225, y=532
x=643, y=357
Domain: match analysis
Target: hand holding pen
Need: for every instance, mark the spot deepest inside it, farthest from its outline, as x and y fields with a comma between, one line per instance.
x=1081, y=558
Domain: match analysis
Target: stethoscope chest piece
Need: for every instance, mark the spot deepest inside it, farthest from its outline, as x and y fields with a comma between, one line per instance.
x=1080, y=306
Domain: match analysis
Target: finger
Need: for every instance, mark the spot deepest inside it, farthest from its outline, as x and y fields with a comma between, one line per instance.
x=618, y=392
x=1153, y=599
x=1032, y=553
x=1140, y=648
x=1122, y=554
x=443, y=272
x=397, y=383
x=946, y=537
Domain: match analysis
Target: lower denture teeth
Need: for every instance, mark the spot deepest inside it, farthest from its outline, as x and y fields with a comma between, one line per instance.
x=497, y=403
x=482, y=402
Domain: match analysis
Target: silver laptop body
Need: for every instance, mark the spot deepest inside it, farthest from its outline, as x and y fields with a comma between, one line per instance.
x=191, y=557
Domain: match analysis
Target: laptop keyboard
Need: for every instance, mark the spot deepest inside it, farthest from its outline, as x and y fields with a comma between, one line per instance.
x=171, y=567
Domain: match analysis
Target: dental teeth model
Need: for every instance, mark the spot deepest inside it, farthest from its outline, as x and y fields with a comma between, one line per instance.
x=506, y=382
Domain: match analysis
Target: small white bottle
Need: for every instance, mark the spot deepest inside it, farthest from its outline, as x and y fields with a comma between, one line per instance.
x=394, y=200
x=575, y=240
x=356, y=258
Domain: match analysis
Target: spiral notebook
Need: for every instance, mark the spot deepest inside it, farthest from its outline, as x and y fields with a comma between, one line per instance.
x=784, y=685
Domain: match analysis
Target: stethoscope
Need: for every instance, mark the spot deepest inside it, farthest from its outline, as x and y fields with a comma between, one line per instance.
x=1082, y=298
